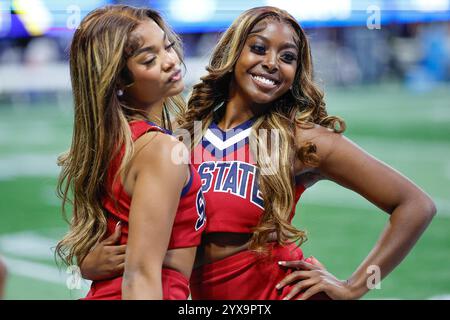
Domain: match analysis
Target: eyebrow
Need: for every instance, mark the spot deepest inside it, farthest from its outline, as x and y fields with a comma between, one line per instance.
x=149, y=48
x=286, y=45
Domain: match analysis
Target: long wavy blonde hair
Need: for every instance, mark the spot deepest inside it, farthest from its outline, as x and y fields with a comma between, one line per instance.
x=99, y=52
x=302, y=106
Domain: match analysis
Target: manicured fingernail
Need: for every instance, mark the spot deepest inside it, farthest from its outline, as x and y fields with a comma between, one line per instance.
x=282, y=263
x=278, y=286
x=118, y=224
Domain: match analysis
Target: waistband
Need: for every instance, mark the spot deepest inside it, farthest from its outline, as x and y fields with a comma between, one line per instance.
x=166, y=272
x=175, y=286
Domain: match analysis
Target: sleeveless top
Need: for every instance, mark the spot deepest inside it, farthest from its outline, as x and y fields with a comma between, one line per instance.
x=230, y=179
x=190, y=218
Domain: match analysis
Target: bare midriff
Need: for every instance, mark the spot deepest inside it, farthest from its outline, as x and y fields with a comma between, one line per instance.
x=220, y=245
x=181, y=260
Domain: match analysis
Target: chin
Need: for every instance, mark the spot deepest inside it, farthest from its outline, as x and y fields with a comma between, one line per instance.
x=263, y=99
x=259, y=97
x=176, y=91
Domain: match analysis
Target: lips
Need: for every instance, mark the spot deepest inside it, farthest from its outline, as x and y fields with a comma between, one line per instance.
x=176, y=75
x=265, y=81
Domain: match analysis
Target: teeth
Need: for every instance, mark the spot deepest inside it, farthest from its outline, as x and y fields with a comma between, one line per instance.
x=264, y=80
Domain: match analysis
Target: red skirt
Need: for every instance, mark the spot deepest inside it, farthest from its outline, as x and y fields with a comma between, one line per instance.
x=175, y=287
x=246, y=276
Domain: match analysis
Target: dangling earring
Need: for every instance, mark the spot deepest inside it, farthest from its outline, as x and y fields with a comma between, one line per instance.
x=217, y=113
x=120, y=92
x=220, y=105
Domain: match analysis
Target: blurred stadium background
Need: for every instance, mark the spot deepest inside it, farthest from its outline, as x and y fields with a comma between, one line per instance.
x=384, y=66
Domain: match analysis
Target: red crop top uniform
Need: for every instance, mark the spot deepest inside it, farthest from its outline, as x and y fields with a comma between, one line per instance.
x=235, y=204
x=190, y=221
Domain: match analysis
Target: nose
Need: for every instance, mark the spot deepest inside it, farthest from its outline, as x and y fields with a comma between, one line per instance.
x=170, y=61
x=270, y=63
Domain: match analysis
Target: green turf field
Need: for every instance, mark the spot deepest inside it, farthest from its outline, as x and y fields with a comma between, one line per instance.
x=410, y=132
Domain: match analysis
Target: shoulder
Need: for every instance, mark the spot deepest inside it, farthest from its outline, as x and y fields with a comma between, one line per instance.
x=312, y=132
x=159, y=149
x=324, y=139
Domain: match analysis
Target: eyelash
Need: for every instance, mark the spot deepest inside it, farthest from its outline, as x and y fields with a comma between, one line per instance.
x=149, y=62
x=258, y=49
x=291, y=57
x=169, y=47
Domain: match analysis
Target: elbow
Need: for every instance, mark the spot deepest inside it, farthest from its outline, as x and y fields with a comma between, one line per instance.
x=427, y=208
x=418, y=209
x=431, y=208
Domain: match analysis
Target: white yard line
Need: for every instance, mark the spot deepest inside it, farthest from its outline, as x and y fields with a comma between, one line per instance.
x=45, y=273
x=18, y=248
x=28, y=244
x=34, y=270
x=29, y=164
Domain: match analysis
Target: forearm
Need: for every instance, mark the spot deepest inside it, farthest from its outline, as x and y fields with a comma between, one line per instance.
x=88, y=269
x=92, y=270
x=141, y=286
x=406, y=224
